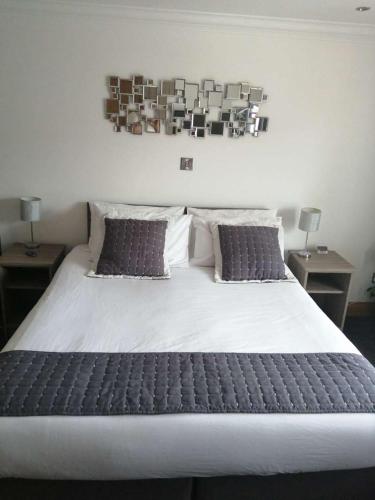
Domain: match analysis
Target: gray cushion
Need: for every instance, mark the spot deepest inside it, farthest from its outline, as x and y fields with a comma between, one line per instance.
x=133, y=248
x=250, y=253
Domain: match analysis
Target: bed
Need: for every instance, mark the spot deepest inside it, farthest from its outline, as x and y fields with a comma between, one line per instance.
x=188, y=313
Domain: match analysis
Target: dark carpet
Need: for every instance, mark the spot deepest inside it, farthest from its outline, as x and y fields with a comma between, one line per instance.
x=361, y=331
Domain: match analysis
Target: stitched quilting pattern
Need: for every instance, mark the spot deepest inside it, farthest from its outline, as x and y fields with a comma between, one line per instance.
x=133, y=248
x=250, y=253
x=49, y=383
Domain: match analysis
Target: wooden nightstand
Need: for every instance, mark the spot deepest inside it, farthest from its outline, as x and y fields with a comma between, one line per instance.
x=24, y=281
x=327, y=279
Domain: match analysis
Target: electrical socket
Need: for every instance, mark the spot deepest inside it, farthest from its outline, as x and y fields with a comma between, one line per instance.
x=373, y=278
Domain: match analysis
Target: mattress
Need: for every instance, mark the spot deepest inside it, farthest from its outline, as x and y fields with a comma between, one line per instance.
x=189, y=313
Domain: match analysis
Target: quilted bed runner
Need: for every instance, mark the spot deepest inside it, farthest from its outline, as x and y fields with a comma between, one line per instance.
x=34, y=383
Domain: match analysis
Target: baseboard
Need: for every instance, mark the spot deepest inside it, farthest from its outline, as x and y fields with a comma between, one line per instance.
x=361, y=309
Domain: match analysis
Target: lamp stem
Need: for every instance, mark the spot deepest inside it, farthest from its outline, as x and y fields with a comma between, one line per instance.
x=32, y=232
x=307, y=237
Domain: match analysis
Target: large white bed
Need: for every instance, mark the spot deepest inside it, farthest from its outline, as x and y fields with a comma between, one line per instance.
x=189, y=312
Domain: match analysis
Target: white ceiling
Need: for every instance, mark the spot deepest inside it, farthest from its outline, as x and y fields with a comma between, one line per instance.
x=342, y=11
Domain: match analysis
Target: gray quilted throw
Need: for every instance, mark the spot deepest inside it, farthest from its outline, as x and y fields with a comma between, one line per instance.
x=133, y=248
x=49, y=383
x=250, y=253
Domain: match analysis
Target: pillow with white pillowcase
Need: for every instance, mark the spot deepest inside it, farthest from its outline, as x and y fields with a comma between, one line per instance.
x=272, y=222
x=177, y=243
x=201, y=247
x=216, y=213
x=177, y=254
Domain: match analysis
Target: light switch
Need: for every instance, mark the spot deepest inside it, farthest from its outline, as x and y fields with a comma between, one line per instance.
x=186, y=164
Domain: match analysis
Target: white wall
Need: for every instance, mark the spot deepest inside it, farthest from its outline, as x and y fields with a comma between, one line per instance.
x=56, y=144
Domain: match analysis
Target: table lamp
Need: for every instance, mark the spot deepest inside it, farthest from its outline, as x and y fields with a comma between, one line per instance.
x=309, y=221
x=30, y=212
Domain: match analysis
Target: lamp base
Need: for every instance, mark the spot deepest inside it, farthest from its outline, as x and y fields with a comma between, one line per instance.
x=31, y=245
x=304, y=253
x=31, y=248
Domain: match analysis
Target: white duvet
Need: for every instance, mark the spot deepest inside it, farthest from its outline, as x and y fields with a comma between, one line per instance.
x=186, y=313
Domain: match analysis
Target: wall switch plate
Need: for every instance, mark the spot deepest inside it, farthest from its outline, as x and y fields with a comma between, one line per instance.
x=186, y=164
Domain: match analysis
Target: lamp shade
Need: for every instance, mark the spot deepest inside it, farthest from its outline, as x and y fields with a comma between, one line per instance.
x=309, y=219
x=30, y=208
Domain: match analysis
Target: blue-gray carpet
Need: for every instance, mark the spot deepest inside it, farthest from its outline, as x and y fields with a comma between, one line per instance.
x=361, y=331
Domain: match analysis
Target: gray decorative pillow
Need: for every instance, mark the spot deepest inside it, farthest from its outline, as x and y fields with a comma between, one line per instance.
x=250, y=253
x=133, y=248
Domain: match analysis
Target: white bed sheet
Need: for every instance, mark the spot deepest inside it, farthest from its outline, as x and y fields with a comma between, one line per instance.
x=187, y=313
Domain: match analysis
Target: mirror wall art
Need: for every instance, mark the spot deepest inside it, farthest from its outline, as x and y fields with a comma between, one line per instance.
x=137, y=105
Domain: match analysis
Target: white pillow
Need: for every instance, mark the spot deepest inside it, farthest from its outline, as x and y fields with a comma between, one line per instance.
x=270, y=222
x=177, y=244
x=201, y=248
x=100, y=209
x=216, y=213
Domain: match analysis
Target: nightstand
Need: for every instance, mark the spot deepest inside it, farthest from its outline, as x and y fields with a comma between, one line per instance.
x=24, y=280
x=327, y=279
